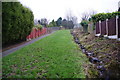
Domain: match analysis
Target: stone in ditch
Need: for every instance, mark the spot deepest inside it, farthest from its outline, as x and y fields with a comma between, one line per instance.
x=78, y=42
x=83, y=50
x=94, y=60
x=89, y=54
x=101, y=68
x=82, y=47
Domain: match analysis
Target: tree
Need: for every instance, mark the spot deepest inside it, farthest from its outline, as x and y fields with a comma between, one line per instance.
x=59, y=21
x=74, y=20
x=39, y=22
x=84, y=24
x=86, y=18
x=67, y=24
x=69, y=15
x=43, y=22
x=52, y=24
x=71, y=19
x=89, y=14
x=36, y=22
x=17, y=22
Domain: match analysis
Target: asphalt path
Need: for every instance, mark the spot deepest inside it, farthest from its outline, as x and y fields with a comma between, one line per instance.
x=5, y=53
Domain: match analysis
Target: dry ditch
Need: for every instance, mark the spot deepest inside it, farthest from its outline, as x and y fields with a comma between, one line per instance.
x=104, y=59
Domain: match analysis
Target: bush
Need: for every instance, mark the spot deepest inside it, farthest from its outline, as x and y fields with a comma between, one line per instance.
x=39, y=27
x=104, y=16
x=84, y=24
x=17, y=22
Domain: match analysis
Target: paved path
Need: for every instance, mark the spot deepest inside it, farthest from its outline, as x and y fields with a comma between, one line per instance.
x=5, y=53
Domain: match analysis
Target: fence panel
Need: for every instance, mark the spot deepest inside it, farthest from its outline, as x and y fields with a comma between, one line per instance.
x=112, y=26
x=103, y=28
x=90, y=27
x=97, y=28
x=118, y=27
x=51, y=29
x=36, y=33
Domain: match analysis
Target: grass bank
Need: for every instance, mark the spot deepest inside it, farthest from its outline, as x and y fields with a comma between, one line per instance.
x=55, y=56
x=106, y=50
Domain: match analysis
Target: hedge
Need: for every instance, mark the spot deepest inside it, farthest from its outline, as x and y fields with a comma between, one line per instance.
x=17, y=22
x=104, y=16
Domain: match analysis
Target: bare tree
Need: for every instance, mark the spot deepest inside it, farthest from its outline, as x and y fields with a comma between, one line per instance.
x=35, y=21
x=74, y=20
x=92, y=12
x=69, y=15
x=87, y=15
x=43, y=21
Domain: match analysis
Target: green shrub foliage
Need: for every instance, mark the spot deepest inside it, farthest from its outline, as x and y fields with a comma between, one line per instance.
x=17, y=22
x=104, y=16
x=52, y=24
x=39, y=26
x=84, y=24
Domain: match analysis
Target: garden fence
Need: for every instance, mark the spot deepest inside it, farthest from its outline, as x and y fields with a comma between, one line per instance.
x=109, y=28
x=36, y=33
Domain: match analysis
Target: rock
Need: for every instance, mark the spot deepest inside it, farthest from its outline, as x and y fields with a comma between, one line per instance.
x=76, y=40
x=89, y=54
x=82, y=47
x=94, y=60
x=79, y=43
x=84, y=50
x=101, y=68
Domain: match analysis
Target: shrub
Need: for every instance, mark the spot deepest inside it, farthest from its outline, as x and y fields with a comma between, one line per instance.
x=17, y=22
x=84, y=24
x=39, y=26
x=104, y=16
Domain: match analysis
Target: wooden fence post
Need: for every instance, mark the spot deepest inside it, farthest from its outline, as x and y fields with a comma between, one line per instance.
x=107, y=27
x=117, y=26
x=100, y=27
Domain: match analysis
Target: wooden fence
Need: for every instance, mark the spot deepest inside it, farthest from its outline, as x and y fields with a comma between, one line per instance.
x=109, y=28
x=51, y=29
x=36, y=33
x=103, y=28
x=97, y=28
x=119, y=27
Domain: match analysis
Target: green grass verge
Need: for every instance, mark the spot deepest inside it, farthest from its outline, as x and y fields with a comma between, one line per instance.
x=55, y=56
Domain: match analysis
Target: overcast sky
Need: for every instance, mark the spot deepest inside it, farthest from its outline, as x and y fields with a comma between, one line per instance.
x=53, y=9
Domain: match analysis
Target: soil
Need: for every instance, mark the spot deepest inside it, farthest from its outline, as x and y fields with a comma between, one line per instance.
x=7, y=47
x=106, y=50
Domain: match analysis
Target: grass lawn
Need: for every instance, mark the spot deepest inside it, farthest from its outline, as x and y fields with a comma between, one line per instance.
x=55, y=56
